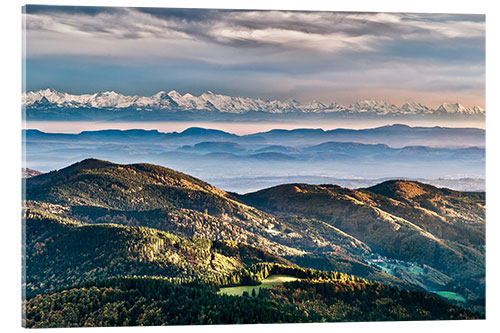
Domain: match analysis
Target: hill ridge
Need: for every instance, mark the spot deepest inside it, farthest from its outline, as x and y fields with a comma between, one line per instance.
x=342, y=227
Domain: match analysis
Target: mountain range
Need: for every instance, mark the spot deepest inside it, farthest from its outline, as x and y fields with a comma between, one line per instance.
x=245, y=163
x=396, y=135
x=211, y=102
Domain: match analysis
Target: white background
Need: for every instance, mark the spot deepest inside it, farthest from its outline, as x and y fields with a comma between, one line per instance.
x=10, y=158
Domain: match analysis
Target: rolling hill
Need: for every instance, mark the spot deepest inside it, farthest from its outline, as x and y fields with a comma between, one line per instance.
x=61, y=252
x=96, y=191
x=427, y=237
x=404, y=220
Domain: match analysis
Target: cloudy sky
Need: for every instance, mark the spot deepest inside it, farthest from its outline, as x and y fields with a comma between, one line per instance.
x=326, y=56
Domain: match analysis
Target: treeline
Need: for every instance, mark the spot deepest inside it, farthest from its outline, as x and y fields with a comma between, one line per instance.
x=254, y=274
x=137, y=301
x=125, y=301
x=362, y=301
x=61, y=252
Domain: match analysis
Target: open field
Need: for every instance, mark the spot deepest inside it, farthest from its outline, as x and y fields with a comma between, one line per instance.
x=270, y=282
x=449, y=295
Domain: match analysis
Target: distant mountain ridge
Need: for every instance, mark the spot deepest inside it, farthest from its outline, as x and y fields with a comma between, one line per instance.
x=229, y=161
x=209, y=101
x=397, y=136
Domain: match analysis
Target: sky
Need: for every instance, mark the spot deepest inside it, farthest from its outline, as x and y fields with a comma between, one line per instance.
x=341, y=57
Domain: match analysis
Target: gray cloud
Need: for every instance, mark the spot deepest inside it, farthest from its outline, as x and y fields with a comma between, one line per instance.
x=281, y=53
x=293, y=29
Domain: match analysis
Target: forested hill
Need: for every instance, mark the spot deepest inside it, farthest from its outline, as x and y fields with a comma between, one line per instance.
x=134, y=186
x=132, y=301
x=406, y=220
x=61, y=252
x=95, y=191
x=113, y=219
x=76, y=276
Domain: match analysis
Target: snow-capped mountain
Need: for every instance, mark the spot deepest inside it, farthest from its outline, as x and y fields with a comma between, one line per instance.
x=174, y=101
x=457, y=108
x=414, y=107
x=371, y=106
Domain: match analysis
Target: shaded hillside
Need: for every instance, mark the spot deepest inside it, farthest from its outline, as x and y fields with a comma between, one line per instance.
x=61, y=252
x=181, y=222
x=363, y=301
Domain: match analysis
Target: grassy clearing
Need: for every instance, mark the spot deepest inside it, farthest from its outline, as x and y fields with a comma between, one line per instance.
x=451, y=296
x=270, y=282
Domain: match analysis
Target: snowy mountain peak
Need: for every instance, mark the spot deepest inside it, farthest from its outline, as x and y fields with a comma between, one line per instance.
x=48, y=91
x=414, y=107
x=174, y=101
x=174, y=95
x=160, y=94
x=371, y=106
x=458, y=108
x=452, y=108
x=479, y=110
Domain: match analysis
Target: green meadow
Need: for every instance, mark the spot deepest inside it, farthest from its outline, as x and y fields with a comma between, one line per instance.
x=451, y=296
x=270, y=282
